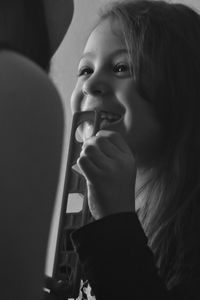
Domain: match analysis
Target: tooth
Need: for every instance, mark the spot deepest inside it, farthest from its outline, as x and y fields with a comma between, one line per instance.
x=109, y=116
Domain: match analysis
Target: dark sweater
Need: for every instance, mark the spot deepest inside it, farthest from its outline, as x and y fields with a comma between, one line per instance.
x=119, y=265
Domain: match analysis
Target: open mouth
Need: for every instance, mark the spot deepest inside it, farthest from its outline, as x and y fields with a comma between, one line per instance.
x=107, y=120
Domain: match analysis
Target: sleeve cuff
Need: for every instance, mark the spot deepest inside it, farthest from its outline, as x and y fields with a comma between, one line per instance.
x=112, y=230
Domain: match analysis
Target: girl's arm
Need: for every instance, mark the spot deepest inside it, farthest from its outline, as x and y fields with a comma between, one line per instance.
x=119, y=264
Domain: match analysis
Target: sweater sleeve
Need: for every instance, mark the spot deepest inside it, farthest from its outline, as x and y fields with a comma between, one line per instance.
x=118, y=263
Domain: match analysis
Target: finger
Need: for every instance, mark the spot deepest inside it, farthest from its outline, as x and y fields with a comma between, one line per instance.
x=115, y=139
x=99, y=147
x=88, y=167
x=93, y=152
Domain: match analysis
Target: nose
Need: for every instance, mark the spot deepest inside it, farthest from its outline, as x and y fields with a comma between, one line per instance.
x=96, y=85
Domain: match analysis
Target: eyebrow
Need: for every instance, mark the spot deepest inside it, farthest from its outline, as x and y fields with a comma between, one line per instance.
x=115, y=53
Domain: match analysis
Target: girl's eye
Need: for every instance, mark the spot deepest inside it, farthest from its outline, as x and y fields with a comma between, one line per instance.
x=121, y=68
x=85, y=71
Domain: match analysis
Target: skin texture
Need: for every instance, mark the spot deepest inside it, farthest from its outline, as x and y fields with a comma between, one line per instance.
x=109, y=161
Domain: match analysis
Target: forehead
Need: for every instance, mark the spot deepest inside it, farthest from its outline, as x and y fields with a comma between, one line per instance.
x=107, y=35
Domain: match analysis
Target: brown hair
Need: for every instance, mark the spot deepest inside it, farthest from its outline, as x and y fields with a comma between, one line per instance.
x=163, y=41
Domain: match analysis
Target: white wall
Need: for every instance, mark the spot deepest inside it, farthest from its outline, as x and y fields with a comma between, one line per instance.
x=64, y=68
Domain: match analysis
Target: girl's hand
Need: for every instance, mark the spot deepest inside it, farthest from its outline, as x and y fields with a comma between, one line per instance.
x=109, y=168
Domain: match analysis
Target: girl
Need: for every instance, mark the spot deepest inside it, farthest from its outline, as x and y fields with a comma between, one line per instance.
x=140, y=69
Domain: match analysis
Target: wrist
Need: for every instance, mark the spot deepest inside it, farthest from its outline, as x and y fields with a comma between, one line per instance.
x=99, y=213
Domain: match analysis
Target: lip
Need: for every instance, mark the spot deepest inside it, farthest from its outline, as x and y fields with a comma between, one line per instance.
x=110, y=125
x=117, y=111
x=88, y=127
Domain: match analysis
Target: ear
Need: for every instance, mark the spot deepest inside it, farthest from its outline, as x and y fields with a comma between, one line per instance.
x=58, y=19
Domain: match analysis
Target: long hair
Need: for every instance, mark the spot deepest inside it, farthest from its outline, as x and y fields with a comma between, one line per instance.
x=33, y=41
x=163, y=41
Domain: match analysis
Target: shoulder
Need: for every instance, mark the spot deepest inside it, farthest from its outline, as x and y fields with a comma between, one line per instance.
x=31, y=136
x=30, y=110
x=27, y=94
x=20, y=76
x=31, y=127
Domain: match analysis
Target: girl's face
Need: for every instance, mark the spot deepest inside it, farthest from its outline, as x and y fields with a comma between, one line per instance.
x=105, y=83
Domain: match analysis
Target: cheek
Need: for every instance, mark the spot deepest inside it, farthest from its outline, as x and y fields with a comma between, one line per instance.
x=144, y=132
